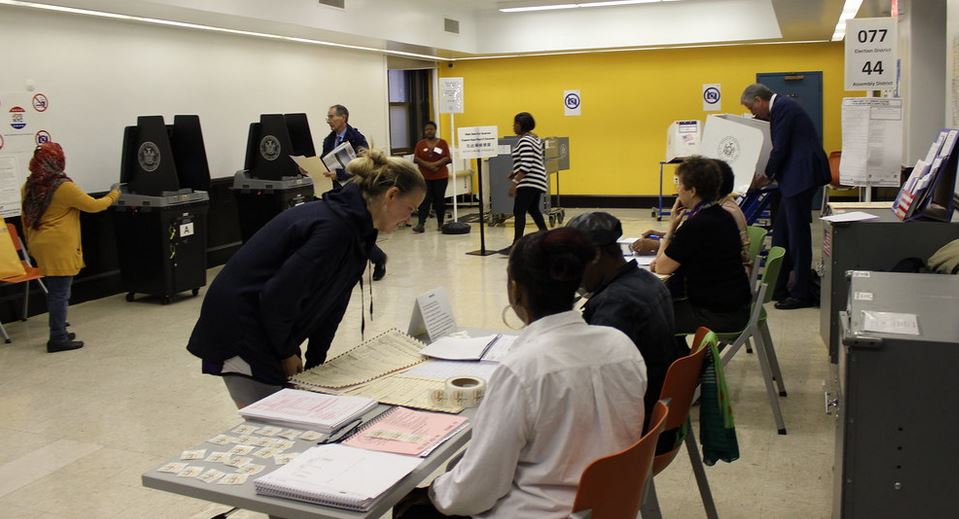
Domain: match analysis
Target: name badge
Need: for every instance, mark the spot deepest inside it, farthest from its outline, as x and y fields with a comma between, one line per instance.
x=437, y=150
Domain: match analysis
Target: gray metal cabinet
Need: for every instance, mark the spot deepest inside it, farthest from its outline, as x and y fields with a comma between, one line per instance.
x=869, y=245
x=896, y=446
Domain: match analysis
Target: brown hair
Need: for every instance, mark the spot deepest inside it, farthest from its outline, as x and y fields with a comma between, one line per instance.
x=703, y=174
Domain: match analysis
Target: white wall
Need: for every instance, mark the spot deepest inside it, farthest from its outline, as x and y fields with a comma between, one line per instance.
x=670, y=23
x=952, y=63
x=922, y=32
x=101, y=74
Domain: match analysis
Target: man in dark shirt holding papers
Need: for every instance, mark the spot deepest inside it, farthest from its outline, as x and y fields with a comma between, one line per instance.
x=338, y=118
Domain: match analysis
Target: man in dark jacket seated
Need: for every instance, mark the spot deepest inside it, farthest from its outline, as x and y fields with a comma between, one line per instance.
x=630, y=299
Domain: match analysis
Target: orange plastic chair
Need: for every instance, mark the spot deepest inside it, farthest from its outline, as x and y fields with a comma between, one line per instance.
x=613, y=487
x=31, y=273
x=834, y=159
x=679, y=388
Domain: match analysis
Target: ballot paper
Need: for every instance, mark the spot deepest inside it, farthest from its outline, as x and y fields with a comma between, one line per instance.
x=315, y=169
x=852, y=216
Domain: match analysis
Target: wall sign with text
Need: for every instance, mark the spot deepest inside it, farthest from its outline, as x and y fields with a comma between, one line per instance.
x=871, y=54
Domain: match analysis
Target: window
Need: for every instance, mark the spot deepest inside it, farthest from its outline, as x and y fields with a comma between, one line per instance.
x=409, y=108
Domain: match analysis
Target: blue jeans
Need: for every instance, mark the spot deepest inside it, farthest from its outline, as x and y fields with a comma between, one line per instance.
x=58, y=298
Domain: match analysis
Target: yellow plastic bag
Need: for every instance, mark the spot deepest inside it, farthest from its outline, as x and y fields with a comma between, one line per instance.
x=10, y=265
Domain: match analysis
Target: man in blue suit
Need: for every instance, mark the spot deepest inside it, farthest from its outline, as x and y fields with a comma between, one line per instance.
x=798, y=163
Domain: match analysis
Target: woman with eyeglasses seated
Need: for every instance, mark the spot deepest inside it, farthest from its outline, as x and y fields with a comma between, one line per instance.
x=292, y=280
x=52, y=203
x=704, y=256
x=567, y=394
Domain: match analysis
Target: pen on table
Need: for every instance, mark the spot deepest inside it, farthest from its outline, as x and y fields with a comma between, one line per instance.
x=489, y=345
x=342, y=432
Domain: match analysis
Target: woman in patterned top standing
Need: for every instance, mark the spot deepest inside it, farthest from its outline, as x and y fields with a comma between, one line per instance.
x=528, y=176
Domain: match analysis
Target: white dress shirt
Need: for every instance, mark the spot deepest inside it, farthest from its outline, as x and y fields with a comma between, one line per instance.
x=567, y=394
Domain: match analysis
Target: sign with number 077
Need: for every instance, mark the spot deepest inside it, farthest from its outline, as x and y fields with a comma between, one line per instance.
x=871, y=54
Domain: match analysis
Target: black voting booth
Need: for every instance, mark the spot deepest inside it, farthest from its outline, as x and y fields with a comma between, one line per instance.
x=269, y=182
x=160, y=217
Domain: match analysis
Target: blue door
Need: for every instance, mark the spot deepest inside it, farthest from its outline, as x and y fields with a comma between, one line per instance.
x=804, y=87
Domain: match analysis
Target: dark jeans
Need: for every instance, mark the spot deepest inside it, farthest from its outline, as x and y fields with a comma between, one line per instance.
x=58, y=298
x=791, y=231
x=435, y=195
x=417, y=505
x=526, y=201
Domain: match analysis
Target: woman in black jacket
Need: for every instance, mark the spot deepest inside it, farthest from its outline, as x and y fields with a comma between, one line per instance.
x=293, y=279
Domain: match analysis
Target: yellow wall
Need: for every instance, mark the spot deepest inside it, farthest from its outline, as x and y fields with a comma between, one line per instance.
x=629, y=100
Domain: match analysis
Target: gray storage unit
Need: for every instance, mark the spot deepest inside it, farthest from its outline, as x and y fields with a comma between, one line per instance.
x=896, y=448
x=869, y=245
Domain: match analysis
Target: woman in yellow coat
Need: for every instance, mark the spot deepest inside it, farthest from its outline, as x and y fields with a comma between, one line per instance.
x=51, y=223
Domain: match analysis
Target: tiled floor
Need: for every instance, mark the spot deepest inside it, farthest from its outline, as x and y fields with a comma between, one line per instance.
x=78, y=428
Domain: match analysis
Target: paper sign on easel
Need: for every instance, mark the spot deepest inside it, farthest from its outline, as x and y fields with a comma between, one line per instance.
x=433, y=315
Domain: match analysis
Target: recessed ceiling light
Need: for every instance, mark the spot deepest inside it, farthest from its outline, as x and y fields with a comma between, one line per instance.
x=849, y=10
x=552, y=7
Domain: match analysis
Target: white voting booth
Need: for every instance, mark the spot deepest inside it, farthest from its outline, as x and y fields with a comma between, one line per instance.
x=744, y=143
x=682, y=139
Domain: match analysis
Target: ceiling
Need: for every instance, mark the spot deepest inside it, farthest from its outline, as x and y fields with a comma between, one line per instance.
x=417, y=26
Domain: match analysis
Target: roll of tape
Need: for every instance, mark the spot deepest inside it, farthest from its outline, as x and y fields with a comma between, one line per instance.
x=460, y=391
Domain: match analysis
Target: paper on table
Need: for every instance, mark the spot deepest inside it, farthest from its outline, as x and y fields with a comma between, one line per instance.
x=459, y=348
x=432, y=314
x=338, y=469
x=444, y=369
x=405, y=431
x=404, y=390
x=390, y=351
x=305, y=408
x=890, y=322
x=852, y=216
x=315, y=168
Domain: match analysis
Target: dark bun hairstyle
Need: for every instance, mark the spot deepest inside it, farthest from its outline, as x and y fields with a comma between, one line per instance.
x=550, y=266
x=375, y=172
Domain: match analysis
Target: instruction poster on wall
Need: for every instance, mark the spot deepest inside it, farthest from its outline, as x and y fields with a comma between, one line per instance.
x=24, y=124
x=871, y=141
x=451, y=95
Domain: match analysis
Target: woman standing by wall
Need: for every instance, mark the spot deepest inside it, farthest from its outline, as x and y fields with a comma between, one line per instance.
x=431, y=155
x=51, y=223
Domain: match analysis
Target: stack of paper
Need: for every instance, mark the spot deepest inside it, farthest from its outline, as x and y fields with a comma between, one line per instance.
x=305, y=409
x=405, y=431
x=337, y=475
x=488, y=347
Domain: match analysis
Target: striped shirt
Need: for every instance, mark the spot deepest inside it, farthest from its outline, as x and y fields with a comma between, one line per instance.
x=528, y=160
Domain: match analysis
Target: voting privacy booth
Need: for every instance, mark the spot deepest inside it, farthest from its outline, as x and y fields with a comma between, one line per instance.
x=160, y=217
x=744, y=143
x=269, y=182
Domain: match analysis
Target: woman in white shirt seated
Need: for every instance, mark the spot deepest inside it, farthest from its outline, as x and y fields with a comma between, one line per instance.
x=566, y=394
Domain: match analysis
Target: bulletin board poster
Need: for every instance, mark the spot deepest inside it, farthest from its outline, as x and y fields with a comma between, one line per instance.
x=24, y=124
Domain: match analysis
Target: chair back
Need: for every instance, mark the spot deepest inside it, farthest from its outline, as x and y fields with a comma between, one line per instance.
x=757, y=235
x=613, y=487
x=834, y=160
x=679, y=388
x=12, y=229
x=774, y=261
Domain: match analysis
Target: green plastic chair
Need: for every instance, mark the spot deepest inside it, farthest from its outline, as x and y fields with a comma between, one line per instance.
x=757, y=329
x=757, y=238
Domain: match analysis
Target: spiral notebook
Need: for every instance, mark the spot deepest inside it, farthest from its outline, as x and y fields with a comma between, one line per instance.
x=337, y=475
x=405, y=431
x=309, y=410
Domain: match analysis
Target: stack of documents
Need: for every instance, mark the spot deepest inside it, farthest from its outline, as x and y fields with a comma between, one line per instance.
x=305, y=409
x=488, y=347
x=405, y=431
x=338, y=476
